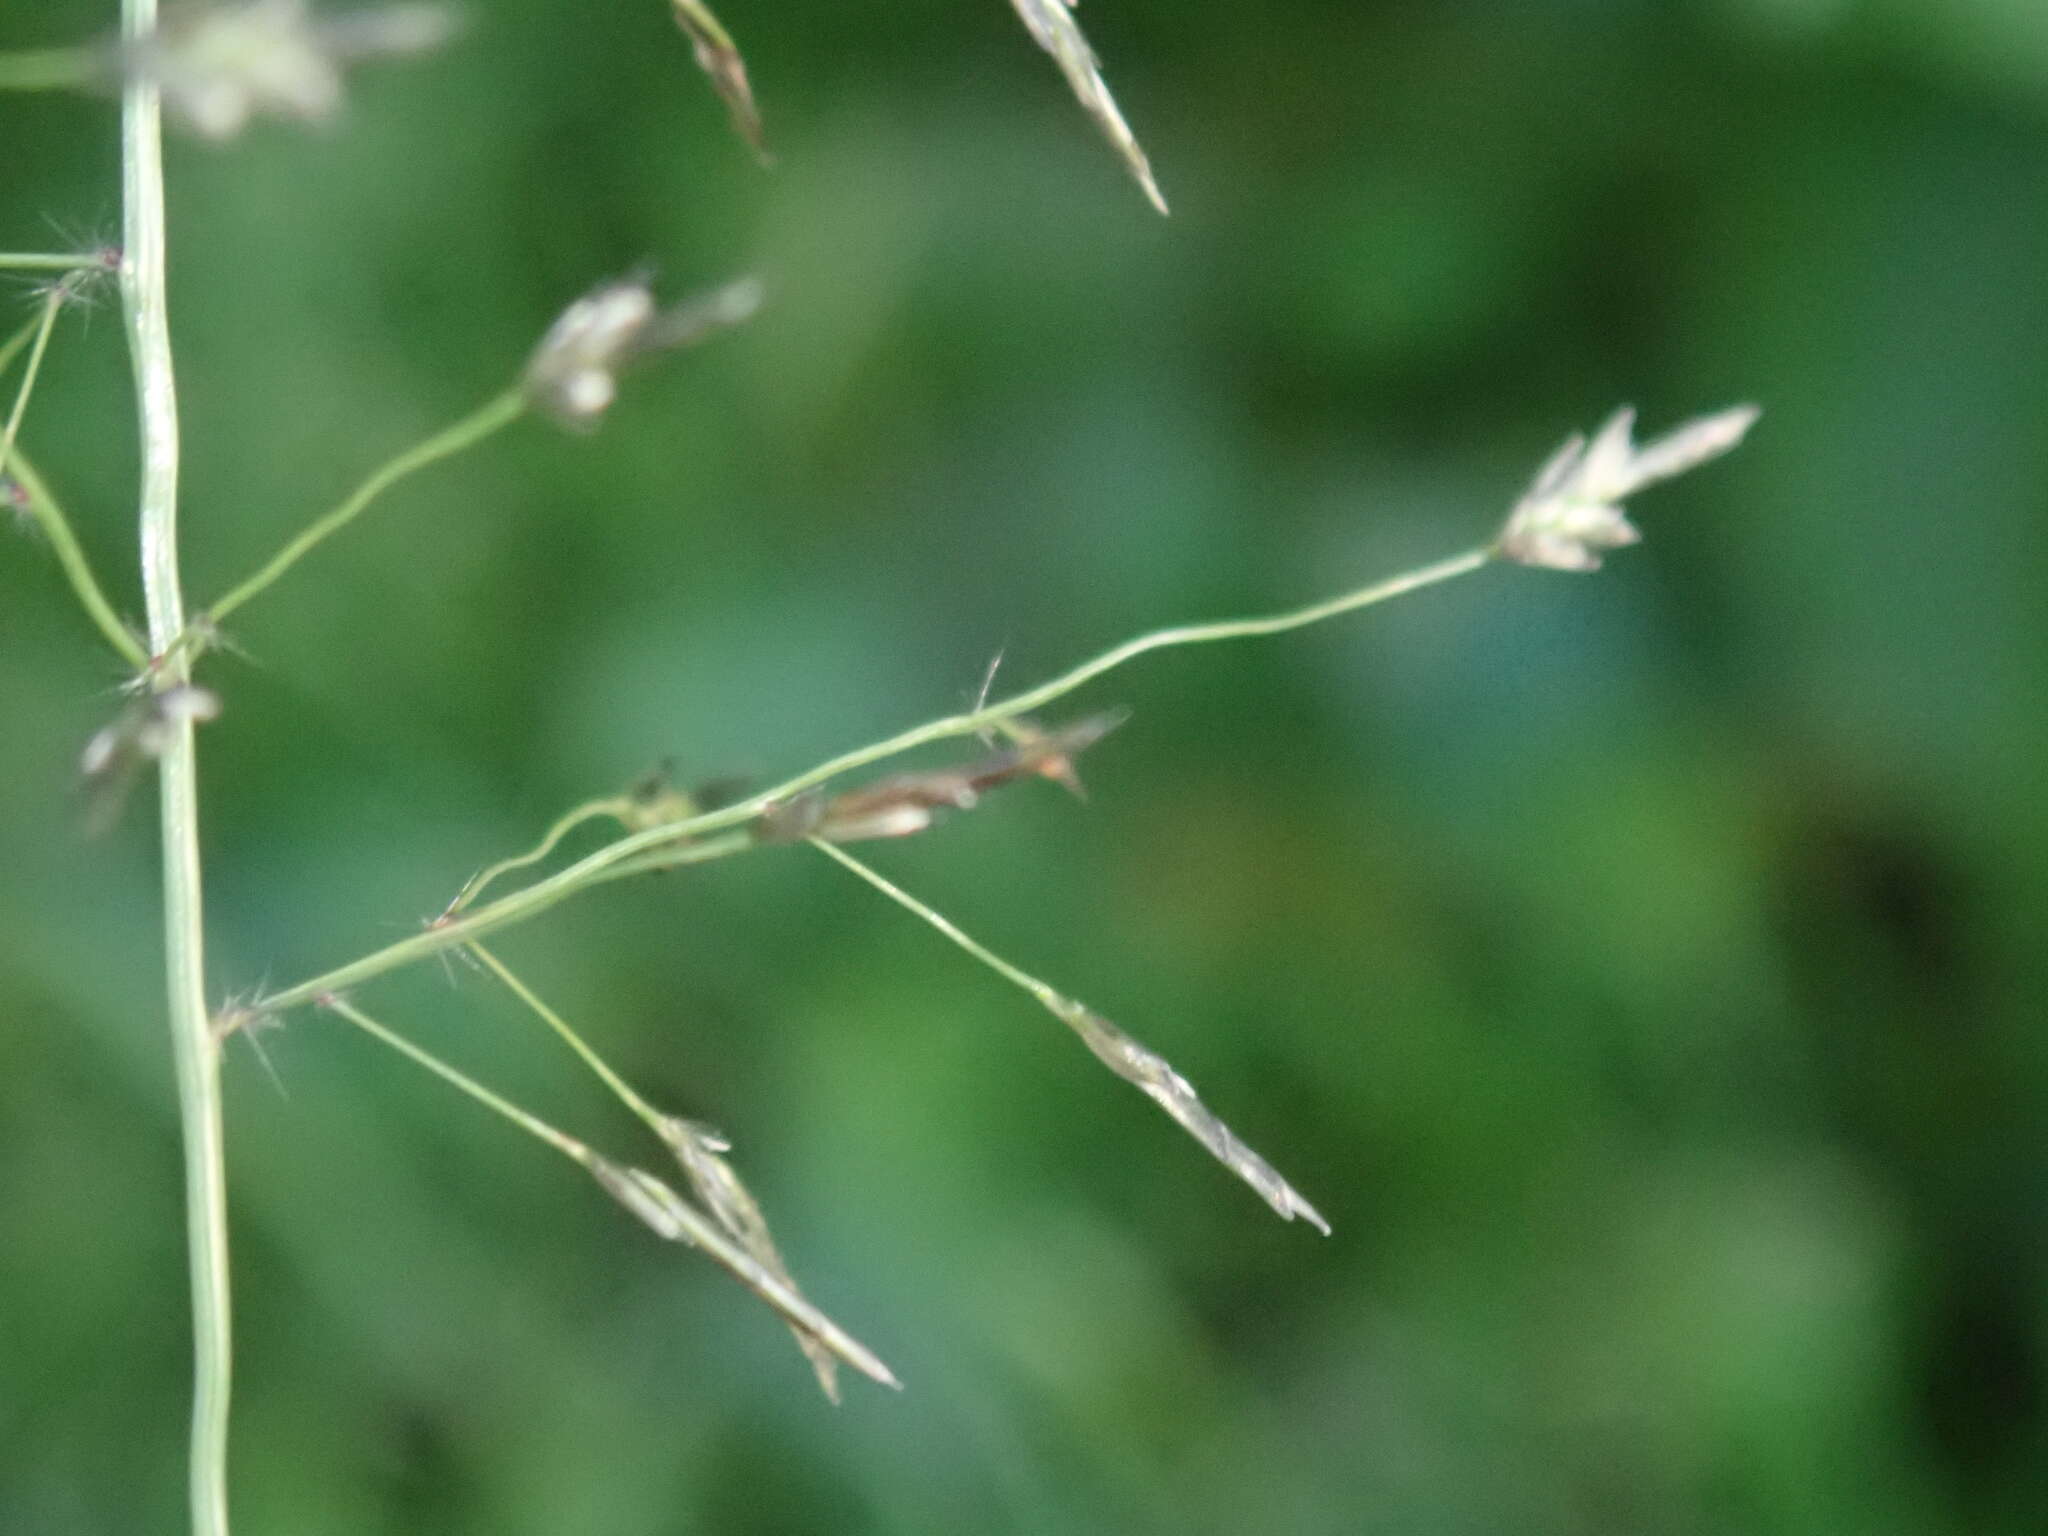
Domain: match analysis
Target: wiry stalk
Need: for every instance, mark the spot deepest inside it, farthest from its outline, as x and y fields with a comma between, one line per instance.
x=198, y=1058
x=500, y=411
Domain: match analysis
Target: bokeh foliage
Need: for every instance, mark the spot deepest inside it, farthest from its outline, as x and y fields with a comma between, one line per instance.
x=1642, y=971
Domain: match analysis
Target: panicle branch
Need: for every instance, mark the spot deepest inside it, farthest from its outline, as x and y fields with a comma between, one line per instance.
x=657, y=1205
x=571, y=377
x=698, y=1152
x=1130, y=1060
x=27, y=488
x=493, y=416
x=783, y=814
x=62, y=262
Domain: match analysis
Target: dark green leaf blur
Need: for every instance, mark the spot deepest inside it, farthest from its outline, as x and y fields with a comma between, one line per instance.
x=1644, y=972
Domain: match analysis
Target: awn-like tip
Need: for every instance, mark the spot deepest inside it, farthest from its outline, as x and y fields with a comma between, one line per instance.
x=1052, y=25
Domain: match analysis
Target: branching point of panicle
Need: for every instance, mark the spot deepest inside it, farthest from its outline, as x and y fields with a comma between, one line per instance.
x=81, y=286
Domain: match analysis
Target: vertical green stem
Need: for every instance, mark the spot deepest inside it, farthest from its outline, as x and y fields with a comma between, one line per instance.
x=197, y=1052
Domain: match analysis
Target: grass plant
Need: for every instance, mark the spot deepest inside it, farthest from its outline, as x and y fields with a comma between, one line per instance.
x=213, y=67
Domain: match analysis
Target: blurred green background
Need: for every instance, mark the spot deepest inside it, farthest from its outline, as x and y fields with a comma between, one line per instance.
x=1643, y=972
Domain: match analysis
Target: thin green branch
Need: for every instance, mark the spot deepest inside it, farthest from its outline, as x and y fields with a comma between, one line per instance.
x=647, y=1197
x=532, y=1124
x=56, y=527
x=50, y=69
x=1046, y=994
x=677, y=843
x=11, y=348
x=45, y=323
x=1129, y=1059
x=614, y=807
x=495, y=414
x=522, y=904
x=624, y=1091
x=43, y=506
x=992, y=715
x=40, y=261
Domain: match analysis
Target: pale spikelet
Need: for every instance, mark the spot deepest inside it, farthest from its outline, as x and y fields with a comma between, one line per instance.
x=670, y=1216
x=1573, y=513
x=719, y=58
x=1139, y=1064
x=220, y=65
x=113, y=760
x=699, y=1151
x=1124, y=1056
x=573, y=373
x=1052, y=23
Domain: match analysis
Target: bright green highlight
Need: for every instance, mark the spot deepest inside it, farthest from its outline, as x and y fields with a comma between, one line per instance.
x=48, y=69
